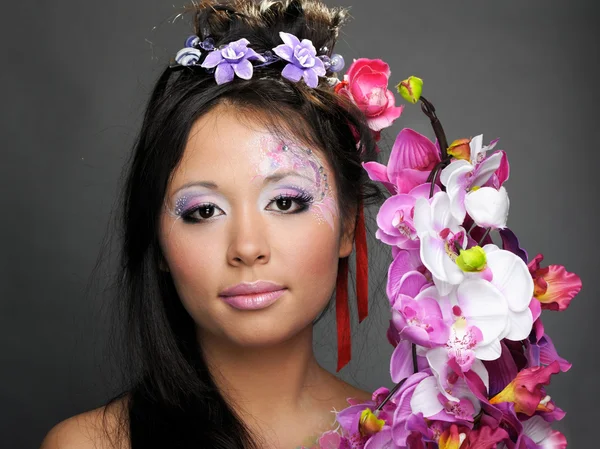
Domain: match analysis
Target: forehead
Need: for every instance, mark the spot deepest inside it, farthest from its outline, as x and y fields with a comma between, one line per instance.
x=224, y=143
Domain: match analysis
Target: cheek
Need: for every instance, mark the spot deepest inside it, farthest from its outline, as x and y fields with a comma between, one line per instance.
x=192, y=256
x=309, y=253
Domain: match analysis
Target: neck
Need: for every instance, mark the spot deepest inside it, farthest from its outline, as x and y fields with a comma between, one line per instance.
x=281, y=379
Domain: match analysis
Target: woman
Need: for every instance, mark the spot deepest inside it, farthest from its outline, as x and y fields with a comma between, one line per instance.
x=240, y=202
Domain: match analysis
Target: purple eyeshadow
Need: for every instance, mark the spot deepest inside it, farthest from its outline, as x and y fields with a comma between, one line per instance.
x=186, y=203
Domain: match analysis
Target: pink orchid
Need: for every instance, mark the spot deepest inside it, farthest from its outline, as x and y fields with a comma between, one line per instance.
x=420, y=320
x=404, y=413
x=412, y=158
x=406, y=275
x=555, y=287
x=395, y=218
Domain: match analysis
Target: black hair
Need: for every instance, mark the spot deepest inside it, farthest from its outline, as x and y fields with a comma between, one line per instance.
x=172, y=400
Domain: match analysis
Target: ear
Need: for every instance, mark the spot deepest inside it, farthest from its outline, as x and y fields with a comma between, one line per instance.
x=346, y=242
x=163, y=265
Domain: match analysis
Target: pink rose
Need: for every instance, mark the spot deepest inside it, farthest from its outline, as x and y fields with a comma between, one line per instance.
x=366, y=84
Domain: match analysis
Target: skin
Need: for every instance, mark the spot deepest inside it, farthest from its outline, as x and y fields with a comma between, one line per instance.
x=262, y=360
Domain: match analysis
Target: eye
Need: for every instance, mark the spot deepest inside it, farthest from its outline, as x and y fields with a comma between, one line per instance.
x=202, y=212
x=285, y=203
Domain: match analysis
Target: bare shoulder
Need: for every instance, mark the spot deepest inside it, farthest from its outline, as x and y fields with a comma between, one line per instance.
x=101, y=428
x=344, y=390
x=356, y=393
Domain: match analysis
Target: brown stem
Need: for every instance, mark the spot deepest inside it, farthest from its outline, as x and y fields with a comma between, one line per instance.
x=487, y=231
x=399, y=384
x=429, y=111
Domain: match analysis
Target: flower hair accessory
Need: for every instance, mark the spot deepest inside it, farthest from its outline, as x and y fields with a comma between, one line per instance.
x=236, y=59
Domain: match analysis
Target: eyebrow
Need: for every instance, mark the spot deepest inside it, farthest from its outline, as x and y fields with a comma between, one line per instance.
x=268, y=180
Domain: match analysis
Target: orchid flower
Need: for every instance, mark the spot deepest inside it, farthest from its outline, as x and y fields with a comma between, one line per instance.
x=526, y=390
x=420, y=319
x=465, y=183
x=412, y=158
x=496, y=301
x=404, y=412
x=439, y=231
x=433, y=403
x=452, y=438
x=555, y=287
x=541, y=436
x=406, y=275
x=395, y=218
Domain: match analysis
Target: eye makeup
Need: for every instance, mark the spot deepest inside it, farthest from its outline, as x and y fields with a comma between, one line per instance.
x=291, y=171
x=188, y=202
x=272, y=155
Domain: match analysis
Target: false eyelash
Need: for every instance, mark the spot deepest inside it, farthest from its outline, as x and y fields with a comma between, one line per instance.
x=187, y=215
x=304, y=199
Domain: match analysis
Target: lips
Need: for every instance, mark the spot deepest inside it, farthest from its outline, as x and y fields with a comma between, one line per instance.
x=251, y=288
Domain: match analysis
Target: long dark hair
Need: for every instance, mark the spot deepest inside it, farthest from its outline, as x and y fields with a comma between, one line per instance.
x=172, y=399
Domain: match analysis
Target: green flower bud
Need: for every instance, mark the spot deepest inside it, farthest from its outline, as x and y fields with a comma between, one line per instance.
x=472, y=259
x=411, y=89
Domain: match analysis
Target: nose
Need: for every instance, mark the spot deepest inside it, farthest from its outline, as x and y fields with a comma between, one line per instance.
x=249, y=244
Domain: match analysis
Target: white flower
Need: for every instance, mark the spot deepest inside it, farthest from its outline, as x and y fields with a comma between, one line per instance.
x=438, y=230
x=464, y=180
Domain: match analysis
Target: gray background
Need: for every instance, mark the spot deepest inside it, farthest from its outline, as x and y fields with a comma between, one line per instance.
x=75, y=78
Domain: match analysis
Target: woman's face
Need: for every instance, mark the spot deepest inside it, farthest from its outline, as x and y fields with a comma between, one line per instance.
x=245, y=205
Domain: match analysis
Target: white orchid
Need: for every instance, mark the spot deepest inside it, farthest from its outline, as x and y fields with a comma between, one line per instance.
x=438, y=231
x=497, y=304
x=464, y=181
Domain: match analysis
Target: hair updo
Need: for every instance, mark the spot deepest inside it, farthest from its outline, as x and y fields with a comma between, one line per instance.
x=172, y=399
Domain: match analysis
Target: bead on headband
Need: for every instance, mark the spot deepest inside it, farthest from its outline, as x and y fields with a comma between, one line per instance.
x=236, y=59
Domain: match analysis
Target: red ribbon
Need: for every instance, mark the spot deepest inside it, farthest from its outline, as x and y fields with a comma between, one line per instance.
x=342, y=311
x=342, y=315
x=362, y=266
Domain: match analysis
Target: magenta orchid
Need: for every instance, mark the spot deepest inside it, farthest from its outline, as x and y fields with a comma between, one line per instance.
x=395, y=219
x=471, y=359
x=412, y=158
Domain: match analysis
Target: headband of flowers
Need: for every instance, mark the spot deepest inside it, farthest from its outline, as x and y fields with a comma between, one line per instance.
x=236, y=59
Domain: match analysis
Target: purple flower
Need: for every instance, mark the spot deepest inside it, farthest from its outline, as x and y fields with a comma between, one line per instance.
x=233, y=59
x=395, y=218
x=302, y=59
x=420, y=320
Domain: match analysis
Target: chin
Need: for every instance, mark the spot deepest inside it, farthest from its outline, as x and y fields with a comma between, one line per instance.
x=257, y=328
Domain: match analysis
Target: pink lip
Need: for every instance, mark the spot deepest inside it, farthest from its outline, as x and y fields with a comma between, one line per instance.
x=252, y=295
x=251, y=288
x=254, y=301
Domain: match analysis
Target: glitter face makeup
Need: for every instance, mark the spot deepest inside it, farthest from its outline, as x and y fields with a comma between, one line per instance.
x=273, y=156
